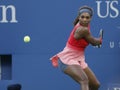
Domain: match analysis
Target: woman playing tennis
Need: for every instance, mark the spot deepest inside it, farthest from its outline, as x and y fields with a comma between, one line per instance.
x=71, y=60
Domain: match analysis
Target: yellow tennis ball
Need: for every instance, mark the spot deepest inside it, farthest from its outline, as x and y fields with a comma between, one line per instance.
x=26, y=39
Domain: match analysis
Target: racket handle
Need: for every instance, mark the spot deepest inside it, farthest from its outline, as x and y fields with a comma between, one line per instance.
x=99, y=46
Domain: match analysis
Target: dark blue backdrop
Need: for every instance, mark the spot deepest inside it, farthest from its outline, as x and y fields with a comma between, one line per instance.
x=49, y=24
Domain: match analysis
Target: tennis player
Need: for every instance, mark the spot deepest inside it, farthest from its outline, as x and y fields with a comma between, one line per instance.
x=71, y=60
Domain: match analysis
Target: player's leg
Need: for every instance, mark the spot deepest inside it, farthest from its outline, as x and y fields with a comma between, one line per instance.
x=77, y=73
x=94, y=84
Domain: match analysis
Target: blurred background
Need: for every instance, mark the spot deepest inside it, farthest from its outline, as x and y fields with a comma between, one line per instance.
x=49, y=23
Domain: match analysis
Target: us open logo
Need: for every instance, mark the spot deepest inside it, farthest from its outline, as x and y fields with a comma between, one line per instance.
x=111, y=8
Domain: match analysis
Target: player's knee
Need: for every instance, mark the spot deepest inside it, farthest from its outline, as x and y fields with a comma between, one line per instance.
x=83, y=79
x=84, y=82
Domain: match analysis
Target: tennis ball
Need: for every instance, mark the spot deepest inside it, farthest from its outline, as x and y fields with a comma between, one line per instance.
x=26, y=39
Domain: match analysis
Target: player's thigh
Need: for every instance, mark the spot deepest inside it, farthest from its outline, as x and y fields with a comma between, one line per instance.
x=76, y=72
x=91, y=76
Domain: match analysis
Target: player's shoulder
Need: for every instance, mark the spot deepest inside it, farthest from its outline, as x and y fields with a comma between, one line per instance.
x=82, y=29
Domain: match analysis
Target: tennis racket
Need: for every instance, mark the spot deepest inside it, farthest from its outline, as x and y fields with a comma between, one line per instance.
x=100, y=35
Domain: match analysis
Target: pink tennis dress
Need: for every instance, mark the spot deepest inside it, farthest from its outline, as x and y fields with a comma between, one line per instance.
x=73, y=53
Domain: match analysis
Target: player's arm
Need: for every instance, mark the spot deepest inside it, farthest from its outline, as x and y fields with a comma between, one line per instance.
x=83, y=32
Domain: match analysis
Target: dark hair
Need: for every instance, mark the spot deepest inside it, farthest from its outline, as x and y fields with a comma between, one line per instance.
x=81, y=8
